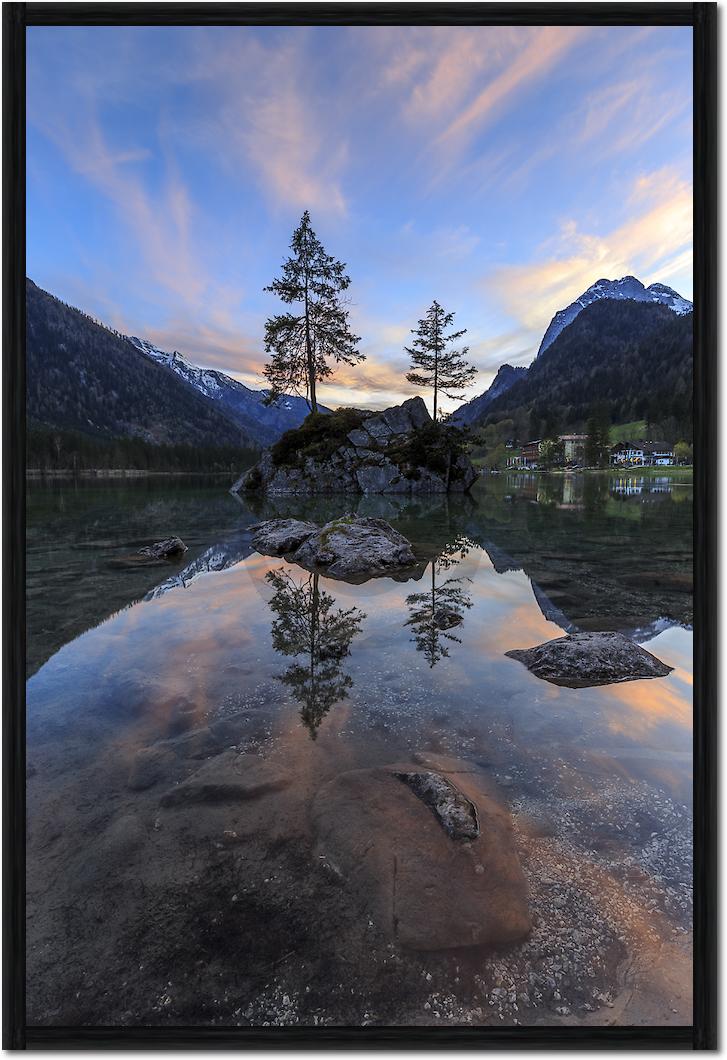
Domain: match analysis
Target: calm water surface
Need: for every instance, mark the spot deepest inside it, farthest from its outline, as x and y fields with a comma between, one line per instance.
x=187, y=659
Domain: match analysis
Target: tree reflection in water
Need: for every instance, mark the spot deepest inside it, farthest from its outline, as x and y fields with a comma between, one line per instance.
x=307, y=625
x=436, y=612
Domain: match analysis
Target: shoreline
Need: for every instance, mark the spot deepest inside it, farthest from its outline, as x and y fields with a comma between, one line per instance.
x=647, y=472
x=111, y=472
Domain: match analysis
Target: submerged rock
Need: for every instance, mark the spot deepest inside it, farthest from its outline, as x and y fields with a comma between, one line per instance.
x=433, y=859
x=149, y=766
x=171, y=546
x=347, y=547
x=229, y=777
x=581, y=660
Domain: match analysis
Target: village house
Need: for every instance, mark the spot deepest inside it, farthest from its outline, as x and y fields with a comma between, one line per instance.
x=574, y=447
x=641, y=454
x=628, y=454
x=526, y=456
x=658, y=455
x=530, y=453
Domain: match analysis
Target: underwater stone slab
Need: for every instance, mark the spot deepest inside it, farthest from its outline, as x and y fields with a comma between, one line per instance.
x=229, y=777
x=430, y=891
x=582, y=660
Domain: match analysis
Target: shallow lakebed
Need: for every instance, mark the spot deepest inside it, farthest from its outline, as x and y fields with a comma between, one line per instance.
x=147, y=905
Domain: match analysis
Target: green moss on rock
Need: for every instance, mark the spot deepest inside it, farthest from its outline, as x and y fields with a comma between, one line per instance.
x=318, y=437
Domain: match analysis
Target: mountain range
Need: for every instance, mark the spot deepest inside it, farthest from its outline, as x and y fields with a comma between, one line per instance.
x=634, y=359
x=240, y=403
x=581, y=348
x=85, y=377
x=628, y=287
x=620, y=343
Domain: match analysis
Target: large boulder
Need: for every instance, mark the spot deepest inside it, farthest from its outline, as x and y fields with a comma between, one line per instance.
x=581, y=660
x=397, y=451
x=346, y=548
x=429, y=853
x=278, y=537
x=350, y=547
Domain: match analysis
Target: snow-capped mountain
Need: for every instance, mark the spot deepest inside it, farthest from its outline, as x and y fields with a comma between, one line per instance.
x=475, y=409
x=626, y=287
x=240, y=403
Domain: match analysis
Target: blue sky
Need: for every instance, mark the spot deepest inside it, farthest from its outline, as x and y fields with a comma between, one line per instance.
x=500, y=170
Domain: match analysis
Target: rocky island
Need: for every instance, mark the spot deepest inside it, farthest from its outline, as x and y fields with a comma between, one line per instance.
x=400, y=450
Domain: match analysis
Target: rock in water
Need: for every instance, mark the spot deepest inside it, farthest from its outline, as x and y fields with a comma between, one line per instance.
x=347, y=547
x=279, y=537
x=350, y=547
x=171, y=546
x=581, y=660
x=435, y=880
x=455, y=813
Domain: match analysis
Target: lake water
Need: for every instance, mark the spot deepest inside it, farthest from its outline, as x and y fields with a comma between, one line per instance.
x=143, y=909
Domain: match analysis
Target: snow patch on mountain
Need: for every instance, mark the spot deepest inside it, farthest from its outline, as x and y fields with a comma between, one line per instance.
x=241, y=403
x=626, y=287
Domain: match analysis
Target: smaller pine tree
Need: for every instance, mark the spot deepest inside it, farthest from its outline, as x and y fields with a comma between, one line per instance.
x=433, y=364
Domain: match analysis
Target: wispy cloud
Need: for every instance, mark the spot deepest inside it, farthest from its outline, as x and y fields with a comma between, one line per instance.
x=627, y=113
x=543, y=49
x=654, y=243
x=268, y=114
x=158, y=224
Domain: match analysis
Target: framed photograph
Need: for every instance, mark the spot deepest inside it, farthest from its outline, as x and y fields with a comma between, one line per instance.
x=359, y=525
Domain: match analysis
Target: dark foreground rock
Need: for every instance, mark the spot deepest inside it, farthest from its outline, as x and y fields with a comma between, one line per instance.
x=400, y=450
x=156, y=555
x=433, y=858
x=171, y=546
x=347, y=547
x=581, y=660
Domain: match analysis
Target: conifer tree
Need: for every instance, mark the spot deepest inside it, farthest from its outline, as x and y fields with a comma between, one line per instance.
x=303, y=342
x=433, y=364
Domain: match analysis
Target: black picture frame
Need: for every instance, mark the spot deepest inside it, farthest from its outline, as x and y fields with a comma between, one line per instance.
x=703, y=18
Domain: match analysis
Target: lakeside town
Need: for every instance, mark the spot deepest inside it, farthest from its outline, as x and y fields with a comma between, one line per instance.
x=569, y=451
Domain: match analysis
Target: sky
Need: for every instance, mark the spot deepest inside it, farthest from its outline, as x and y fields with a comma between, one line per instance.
x=500, y=170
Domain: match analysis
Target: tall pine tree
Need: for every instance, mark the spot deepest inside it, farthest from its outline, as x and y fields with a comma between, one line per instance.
x=433, y=364
x=303, y=342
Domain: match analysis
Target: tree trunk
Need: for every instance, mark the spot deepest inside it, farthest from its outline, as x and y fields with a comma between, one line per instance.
x=309, y=354
x=436, y=364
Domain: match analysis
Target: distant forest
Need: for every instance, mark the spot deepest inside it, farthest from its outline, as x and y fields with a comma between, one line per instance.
x=84, y=378
x=49, y=449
